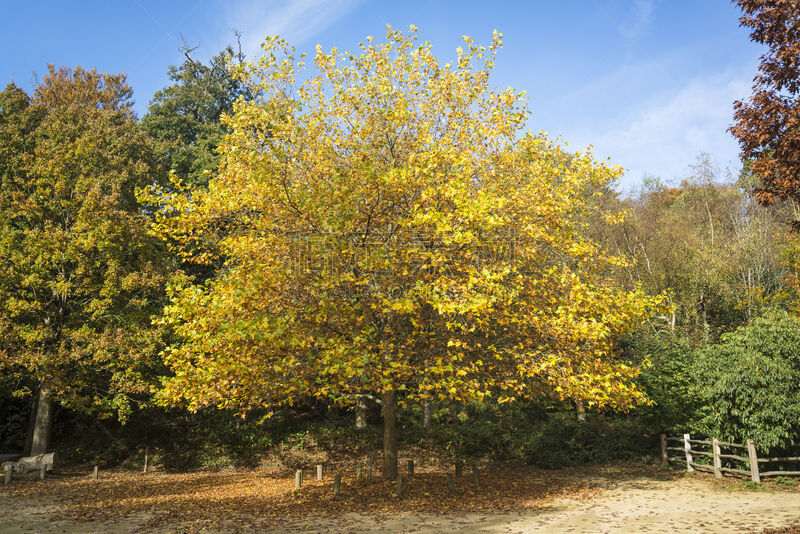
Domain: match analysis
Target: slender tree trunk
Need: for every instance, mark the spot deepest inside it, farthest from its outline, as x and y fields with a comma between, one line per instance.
x=361, y=412
x=390, y=435
x=31, y=424
x=704, y=318
x=580, y=410
x=426, y=415
x=44, y=422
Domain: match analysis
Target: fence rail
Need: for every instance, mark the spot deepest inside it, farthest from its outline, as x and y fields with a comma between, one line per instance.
x=688, y=452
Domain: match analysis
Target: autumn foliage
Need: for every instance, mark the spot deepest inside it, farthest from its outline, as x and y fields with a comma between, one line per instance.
x=384, y=227
x=767, y=125
x=80, y=277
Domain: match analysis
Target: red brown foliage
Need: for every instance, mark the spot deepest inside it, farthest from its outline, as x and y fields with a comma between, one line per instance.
x=767, y=125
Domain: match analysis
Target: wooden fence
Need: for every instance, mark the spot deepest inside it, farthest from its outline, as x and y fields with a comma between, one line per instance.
x=689, y=448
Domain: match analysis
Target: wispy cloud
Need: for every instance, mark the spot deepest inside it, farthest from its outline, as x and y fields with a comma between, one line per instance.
x=295, y=20
x=665, y=134
x=632, y=19
x=638, y=19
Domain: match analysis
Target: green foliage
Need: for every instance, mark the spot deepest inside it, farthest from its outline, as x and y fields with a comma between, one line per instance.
x=785, y=481
x=479, y=429
x=211, y=438
x=184, y=118
x=749, y=383
x=750, y=485
x=564, y=441
x=14, y=415
x=529, y=432
x=667, y=380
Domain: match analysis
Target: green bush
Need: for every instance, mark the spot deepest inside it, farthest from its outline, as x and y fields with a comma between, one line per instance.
x=749, y=383
x=547, y=435
x=563, y=441
x=667, y=381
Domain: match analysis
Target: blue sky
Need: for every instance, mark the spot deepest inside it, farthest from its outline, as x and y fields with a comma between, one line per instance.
x=648, y=83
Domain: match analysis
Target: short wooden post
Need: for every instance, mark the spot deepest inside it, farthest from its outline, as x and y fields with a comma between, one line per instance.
x=451, y=485
x=688, y=448
x=717, y=460
x=369, y=470
x=319, y=471
x=94, y=473
x=42, y=470
x=476, y=476
x=399, y=485
x=146, y=454
x=358, y=472
x=459, y=468
x=411, y=468
x=298, y=478
x=664, y=457
x=9, y=473
x=753, y=457
x=337, y=485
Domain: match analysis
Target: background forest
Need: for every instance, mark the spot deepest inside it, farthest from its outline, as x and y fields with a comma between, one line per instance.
x=704, y=286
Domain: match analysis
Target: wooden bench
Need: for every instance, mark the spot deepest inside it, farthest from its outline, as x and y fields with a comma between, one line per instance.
x=31, y=463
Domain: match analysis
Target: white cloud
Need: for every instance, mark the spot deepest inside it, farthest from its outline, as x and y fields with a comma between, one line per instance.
x=297, y=21
x=664, y=135
x=639, y=19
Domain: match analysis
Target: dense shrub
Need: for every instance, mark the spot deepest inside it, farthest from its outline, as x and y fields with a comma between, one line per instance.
x=564, y=441
x=547, y=435
x=666, y=379
x=749, y=383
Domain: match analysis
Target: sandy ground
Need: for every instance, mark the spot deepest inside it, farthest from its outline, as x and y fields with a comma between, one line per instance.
x=690, y=504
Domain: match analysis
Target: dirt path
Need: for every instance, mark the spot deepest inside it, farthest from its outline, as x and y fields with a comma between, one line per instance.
x=691, y=504
x=620, y=504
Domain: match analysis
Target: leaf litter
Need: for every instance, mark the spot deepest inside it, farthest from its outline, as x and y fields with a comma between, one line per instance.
x=239, y=500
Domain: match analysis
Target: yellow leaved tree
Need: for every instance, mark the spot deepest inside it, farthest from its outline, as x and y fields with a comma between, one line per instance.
x=383, y=226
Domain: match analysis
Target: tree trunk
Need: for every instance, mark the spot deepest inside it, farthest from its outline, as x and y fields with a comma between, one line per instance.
x=44, y=422
x=390, y=435
x=672, y=321
x=704, y=318
x=426, y=415
x=31, y=425
x=361, y=412
x=581, y=411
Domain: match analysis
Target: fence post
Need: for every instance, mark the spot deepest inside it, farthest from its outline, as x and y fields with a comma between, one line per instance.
x=717, y=459
x=688, y=448
x=319, y=471
x=94, y=473
x=664, y=460
x=400, y=485
x=9, y=473
x=337, y=485
x=42, y=470
x=751, y=454
x=298, y=478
